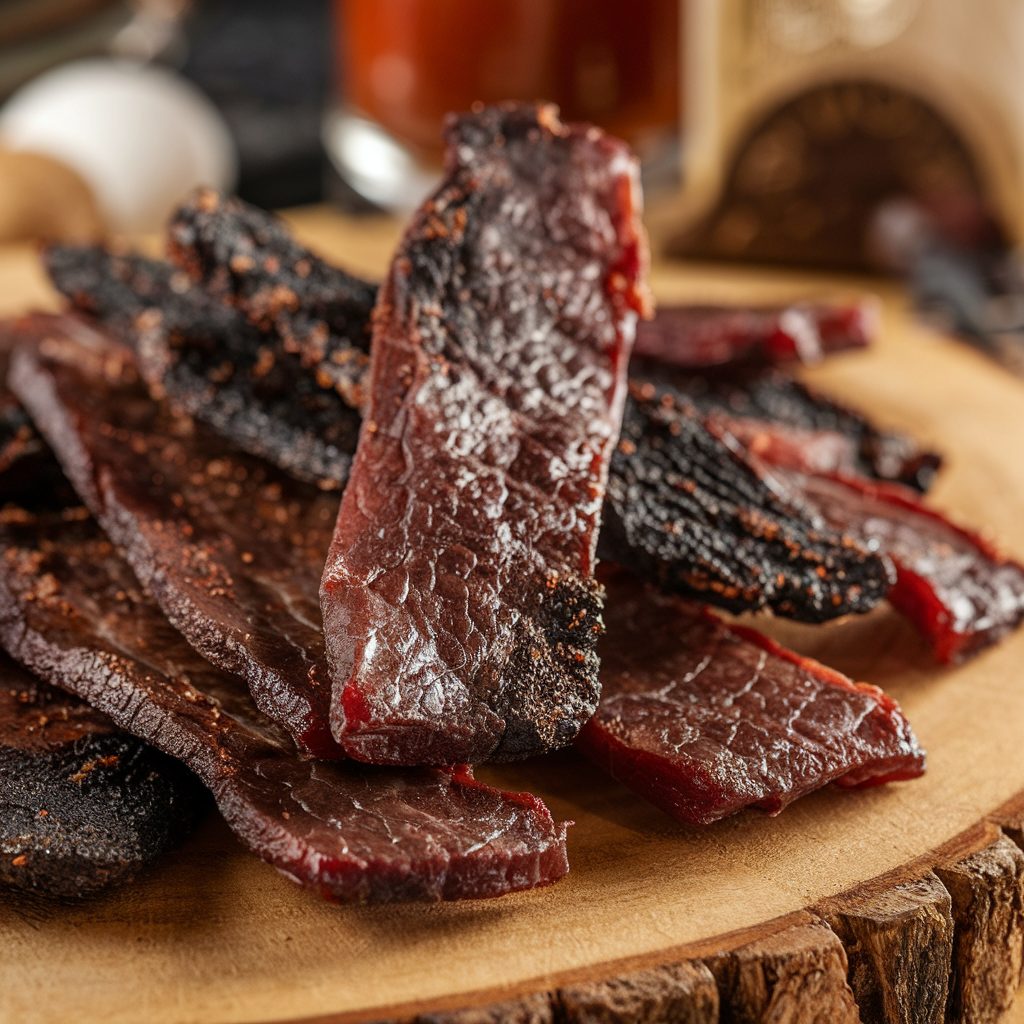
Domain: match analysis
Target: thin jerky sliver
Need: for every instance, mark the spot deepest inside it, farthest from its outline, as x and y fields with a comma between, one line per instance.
x=961, y=592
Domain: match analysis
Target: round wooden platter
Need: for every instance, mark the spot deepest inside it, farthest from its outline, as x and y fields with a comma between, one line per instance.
x=904, y=903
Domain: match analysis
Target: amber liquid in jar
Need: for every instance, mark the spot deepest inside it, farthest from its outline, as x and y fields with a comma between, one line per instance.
x=406, y=63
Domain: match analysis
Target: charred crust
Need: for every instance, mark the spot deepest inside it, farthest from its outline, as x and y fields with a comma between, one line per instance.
x=553, y=667
x=763, y=393
x=248, y=257
x=688, y=513
x=84, y=805
x=205, y=357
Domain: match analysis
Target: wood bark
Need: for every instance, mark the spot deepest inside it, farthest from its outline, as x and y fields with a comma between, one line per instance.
x=796, y=976
x=899, y=943
x=683, y=993
x=987, y=890
x=531, y=1009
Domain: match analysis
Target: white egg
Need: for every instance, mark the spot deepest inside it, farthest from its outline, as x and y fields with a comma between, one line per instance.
x=141, y=137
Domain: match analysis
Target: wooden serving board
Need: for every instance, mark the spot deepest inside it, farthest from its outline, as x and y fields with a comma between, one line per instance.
x=909, y=893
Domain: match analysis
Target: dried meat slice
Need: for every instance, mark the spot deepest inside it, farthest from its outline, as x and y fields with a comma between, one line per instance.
x=71, y=610
x=952, y=584
x=704, y=719
x=231, y=548
x=700, y=336
x=786, y=424
x=459, y=605
x=700, y=518
x=83, y=805
x=208, y=361
x=248, y=257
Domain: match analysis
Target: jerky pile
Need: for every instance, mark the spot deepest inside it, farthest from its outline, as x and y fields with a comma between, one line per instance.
x=204, y=409
x=72, y=611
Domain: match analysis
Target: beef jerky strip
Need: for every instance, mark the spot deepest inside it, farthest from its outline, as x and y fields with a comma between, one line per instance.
x=249, y=258
x=704, y=719
x=697, y=336
x=787, y=424
x=952, y=584
x=210, y=362
x=231, y=548
x=459, y=604
x=83, y=805
x=700, y=518
x=71, y=610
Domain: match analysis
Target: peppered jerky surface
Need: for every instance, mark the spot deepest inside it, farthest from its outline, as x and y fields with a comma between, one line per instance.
x=459, y=604
x=83, y=805
x=209, y=361
x=115, y=287
x=686, y=512
x=72, y=610
x=231, y=548
x=787, y=424
x=704, y=719
x=248, y=258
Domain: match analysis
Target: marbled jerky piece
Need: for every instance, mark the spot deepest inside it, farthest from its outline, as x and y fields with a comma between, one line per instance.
x=231, y=548
x=961, y=592
x=698, y=336
x=704, y=719
x=787, y=424
x=71, y=610
x=209, y=361
x=83, y=805
x=248, y=257
x=459, y=605
x=699, y=518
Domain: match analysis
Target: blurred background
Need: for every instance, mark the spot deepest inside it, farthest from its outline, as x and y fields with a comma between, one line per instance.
x=877, y=136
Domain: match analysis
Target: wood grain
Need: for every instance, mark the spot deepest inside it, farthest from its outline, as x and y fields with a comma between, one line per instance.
x=214, y=935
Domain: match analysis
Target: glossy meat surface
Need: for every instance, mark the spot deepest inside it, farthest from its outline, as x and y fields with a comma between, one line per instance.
x=696, y=517
x=209, y=361
x=956, y=588
x=83, y=805
x=703, y=719
x=697, y=336
x=71, y=610
x=459, y=606
x=231, y=548
x=786, y=424
x=248, y=258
